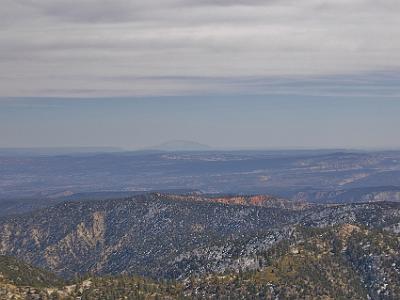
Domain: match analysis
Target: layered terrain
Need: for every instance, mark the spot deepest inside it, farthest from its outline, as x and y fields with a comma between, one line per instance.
x=210, y=247
x=284, y=173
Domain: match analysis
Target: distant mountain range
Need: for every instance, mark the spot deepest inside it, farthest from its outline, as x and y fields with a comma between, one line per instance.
x=181, y=145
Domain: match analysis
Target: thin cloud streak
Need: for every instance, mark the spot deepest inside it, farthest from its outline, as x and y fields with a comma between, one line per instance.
x=174, y=47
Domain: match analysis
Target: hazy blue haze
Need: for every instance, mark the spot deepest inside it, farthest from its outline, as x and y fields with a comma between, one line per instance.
x=219, y=121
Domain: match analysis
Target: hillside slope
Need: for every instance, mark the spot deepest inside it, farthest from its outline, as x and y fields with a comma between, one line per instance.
x=153, y=235
x=340, y=262
x=135, y=235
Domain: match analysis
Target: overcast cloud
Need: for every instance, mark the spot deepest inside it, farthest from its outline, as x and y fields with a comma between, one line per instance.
x=90, y=48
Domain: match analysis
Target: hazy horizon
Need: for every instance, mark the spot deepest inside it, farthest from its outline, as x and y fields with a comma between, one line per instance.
x=229, y=74
x=110, y=148
x=258, y=122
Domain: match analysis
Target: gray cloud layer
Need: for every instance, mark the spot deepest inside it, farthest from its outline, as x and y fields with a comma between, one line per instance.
x=122, y=47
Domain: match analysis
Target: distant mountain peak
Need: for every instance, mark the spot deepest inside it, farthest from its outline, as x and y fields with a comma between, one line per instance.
x=181, y=145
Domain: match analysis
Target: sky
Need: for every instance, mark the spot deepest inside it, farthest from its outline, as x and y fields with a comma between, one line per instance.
x=230, y=74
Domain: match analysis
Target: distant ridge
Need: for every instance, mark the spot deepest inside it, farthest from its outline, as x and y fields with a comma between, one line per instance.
x=181, y=145
x=56, y=150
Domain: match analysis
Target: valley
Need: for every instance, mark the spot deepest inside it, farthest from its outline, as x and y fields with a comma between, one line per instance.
x=30, y=181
